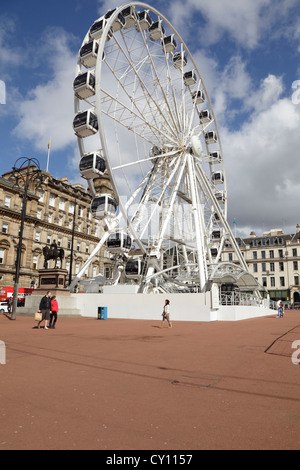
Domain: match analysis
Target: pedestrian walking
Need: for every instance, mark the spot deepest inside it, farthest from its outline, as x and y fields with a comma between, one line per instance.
x=280, y=309
x=45, y=309
x=166, y=314
x=54, y=311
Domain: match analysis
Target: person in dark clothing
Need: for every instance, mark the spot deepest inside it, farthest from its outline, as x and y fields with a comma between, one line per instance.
x=45, y=309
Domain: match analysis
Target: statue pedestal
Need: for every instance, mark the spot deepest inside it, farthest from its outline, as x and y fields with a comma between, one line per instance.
x=53, y=280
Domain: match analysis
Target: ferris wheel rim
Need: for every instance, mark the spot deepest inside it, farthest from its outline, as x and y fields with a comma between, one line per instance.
x=98, y=110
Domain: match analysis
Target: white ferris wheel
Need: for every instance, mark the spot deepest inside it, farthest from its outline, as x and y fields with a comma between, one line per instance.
x=144, y=121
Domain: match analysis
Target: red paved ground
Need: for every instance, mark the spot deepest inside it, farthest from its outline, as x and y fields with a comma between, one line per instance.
x=126, y=384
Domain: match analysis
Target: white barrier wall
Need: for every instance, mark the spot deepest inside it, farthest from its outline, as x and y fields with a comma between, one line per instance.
x=186, y=307
x=183, y=307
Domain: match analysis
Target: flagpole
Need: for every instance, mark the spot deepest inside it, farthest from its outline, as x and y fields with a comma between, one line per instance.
x=234, y=223
x=48, y=156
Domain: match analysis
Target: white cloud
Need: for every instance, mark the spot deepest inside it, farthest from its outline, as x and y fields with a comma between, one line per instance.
x=9, y=56
x=263, y=167
x=242, y=20
x=47, y=111
x=233, y=83
x=271, y=88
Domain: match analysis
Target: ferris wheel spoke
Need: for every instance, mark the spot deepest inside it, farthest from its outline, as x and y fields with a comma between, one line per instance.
x=149, y=159
x=170, y=210
x=140, y=112
x=173, y=91
x=158, y=81
x=163, y=188
x=131, y=120
x=147, y=95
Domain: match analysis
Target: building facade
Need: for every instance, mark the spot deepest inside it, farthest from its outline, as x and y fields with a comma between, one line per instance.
x=56, y=211
x=274, y=260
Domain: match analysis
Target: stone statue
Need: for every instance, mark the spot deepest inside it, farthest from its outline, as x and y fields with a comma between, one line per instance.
x=53, y=252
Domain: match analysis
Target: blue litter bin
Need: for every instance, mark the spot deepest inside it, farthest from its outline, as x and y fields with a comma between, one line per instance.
x=102, y=313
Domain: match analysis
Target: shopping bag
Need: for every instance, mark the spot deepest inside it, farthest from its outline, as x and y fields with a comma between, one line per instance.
x=38, y=316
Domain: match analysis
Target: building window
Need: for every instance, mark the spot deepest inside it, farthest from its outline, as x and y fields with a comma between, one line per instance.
x=78, y=246
x=107, y=272
x=272, y=281
x=280, y=253
x=62, y=204
x=295, y=265
x=281, y=280
x=263, y=267
x=2, y=252
x=87, y=249
x=41, y=196
x=263, y=254
x=60, y=221
x=37, y=237
x=50, y=218
x=271, y=253
x=71, y=208
x=229, y=256
x=69, y=244
x=7, y=202
x=272, y=267
x=52, y=200
x=296, y=280
x=39, y=214
x=80, y=211
x=4, y=228
x=49, y=239
x=35, y=261
x=294, y=251
x=254, y=254
x=281, y=266
x=264, y=282
x=59, y=242
x=255, y=267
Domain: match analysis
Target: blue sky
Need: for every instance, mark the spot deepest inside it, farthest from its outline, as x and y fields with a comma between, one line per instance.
x=248, y=55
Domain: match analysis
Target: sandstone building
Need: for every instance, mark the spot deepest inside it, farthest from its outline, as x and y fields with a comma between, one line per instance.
x=52, y=209
x=274, y=260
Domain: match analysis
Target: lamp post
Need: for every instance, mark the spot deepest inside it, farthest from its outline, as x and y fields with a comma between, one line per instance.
x=72, y=241
x=23, y=177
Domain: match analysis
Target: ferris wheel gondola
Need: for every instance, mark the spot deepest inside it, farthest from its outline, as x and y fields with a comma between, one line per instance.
x=119, y=243
x=92, y=165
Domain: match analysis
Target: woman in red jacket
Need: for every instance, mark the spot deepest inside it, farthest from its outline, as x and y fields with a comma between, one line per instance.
x=54, y=311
